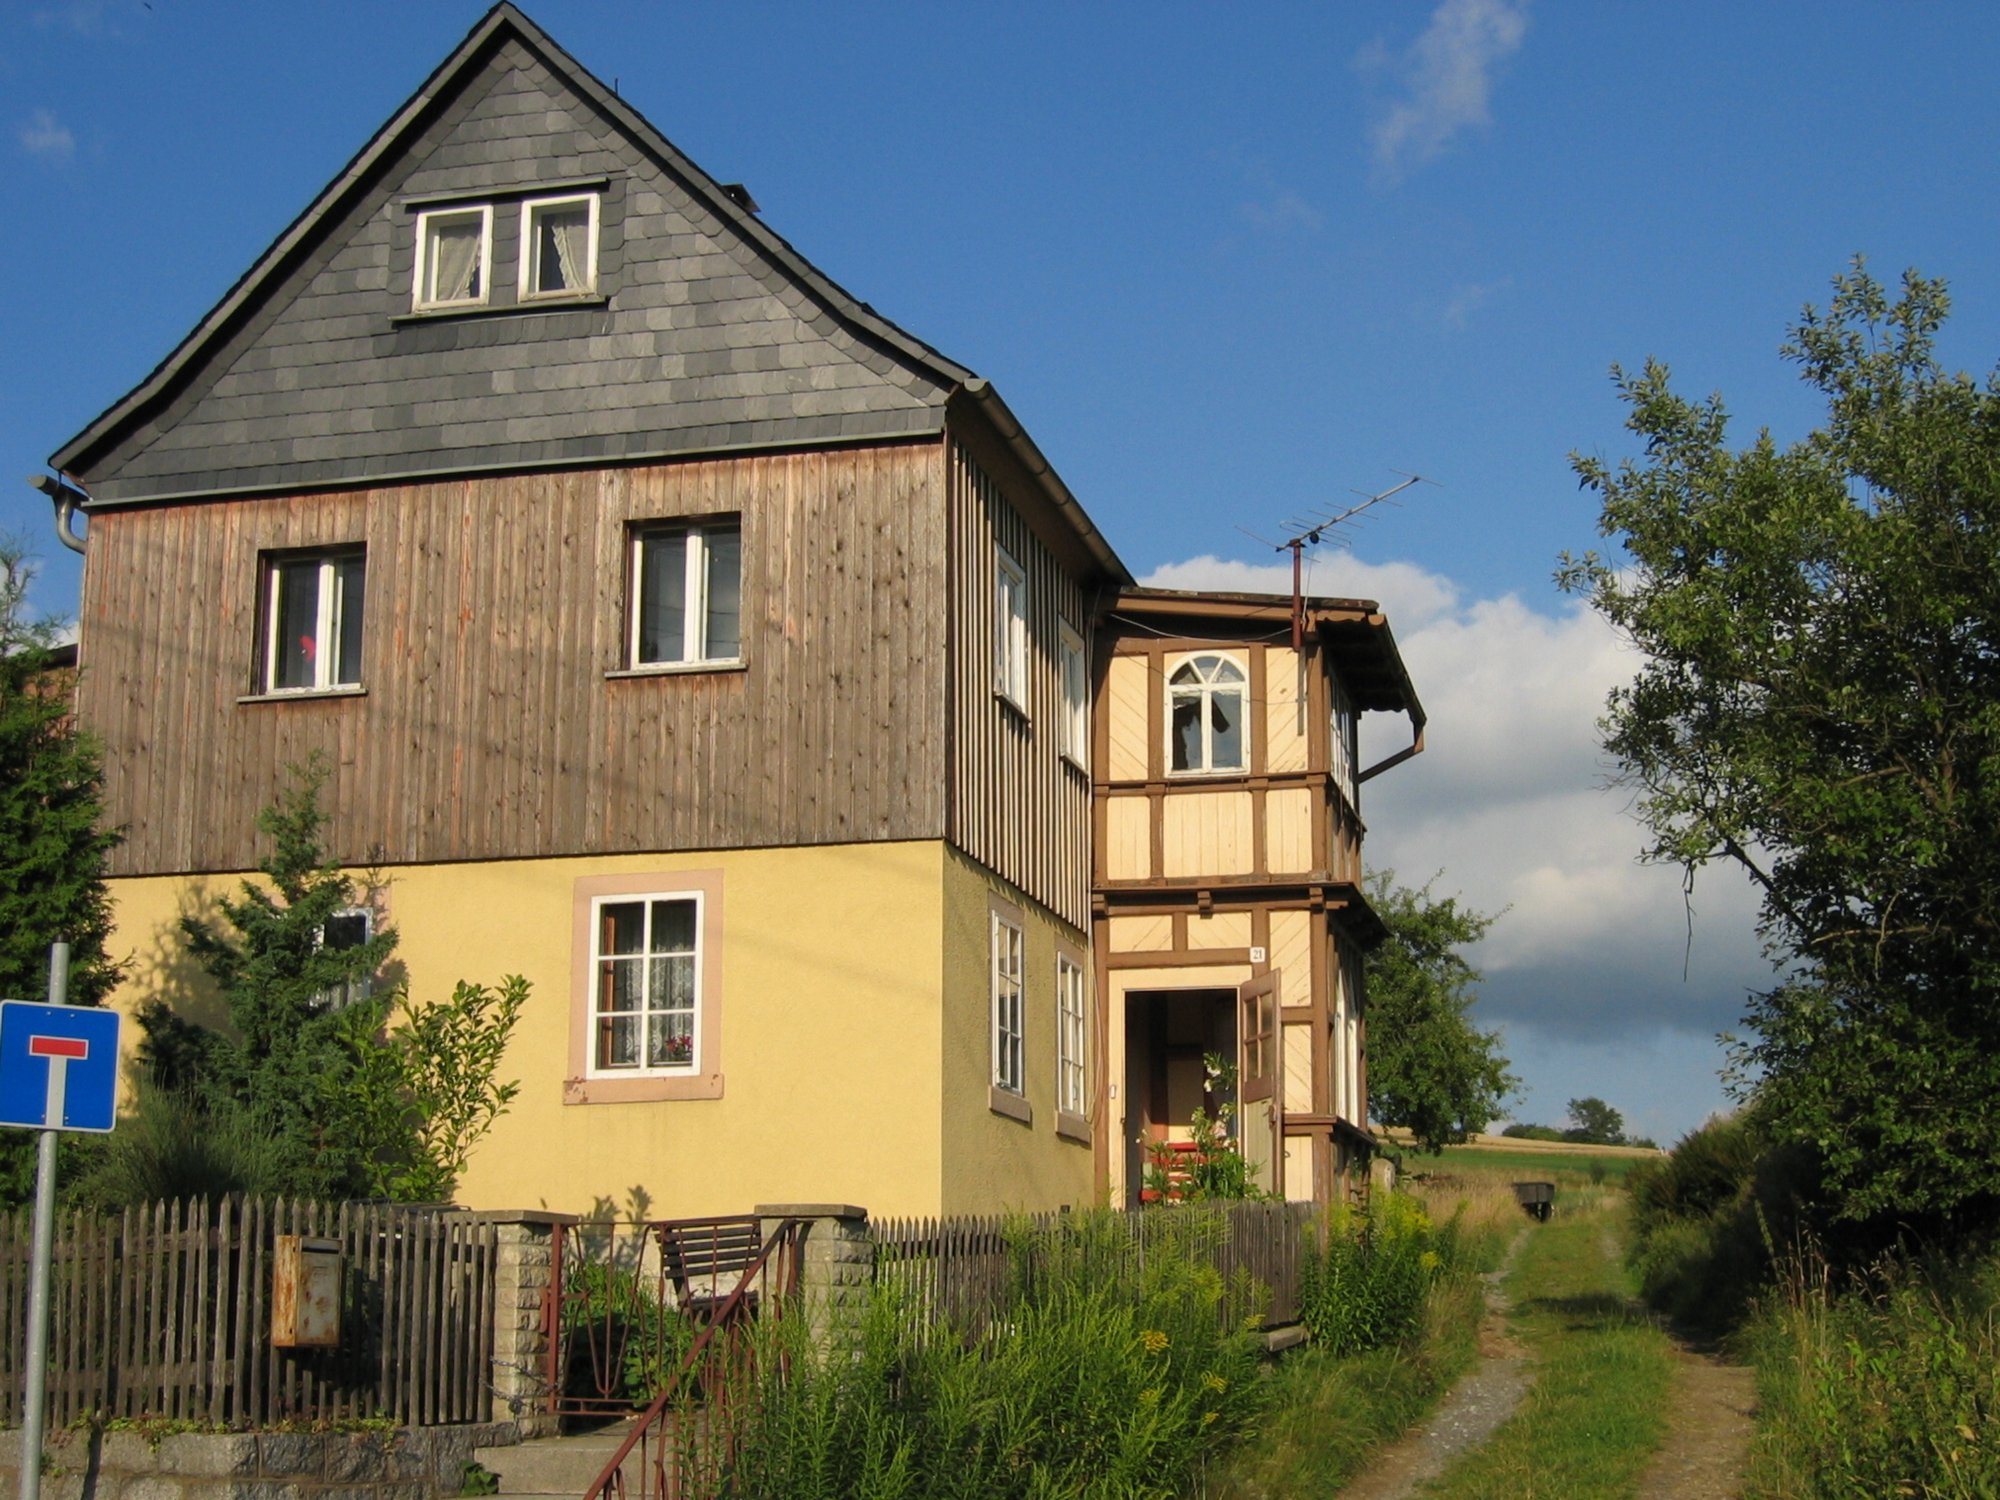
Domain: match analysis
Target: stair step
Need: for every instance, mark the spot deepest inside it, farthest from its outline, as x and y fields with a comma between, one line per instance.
x=558, y=1466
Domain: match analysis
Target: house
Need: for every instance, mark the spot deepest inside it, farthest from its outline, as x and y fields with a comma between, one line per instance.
x=688, y=638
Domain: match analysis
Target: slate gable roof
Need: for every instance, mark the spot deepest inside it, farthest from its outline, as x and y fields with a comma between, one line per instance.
x=711, y=333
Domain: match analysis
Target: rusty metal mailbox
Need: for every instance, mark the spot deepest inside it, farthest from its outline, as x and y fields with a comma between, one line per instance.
x=305, y=1293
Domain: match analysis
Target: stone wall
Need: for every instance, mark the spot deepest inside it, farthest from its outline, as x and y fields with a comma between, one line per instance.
x=405, y=1463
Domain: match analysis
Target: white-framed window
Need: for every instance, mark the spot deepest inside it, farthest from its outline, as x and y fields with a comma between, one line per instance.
x=1009, y=1031
x=645, y=1007
x=1205, y=715
x=1075, y=700
x=1072, y=1038
x=350, y=927
x=1342, y=741
x=312, y=621
x=454, y=258
x=687, y=594
x=558, y=247
x=1010, y=629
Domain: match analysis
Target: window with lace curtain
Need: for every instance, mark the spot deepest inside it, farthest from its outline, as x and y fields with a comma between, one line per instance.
x=559, y=247
x=454, y=258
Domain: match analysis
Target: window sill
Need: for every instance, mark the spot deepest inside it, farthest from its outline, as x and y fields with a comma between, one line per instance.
x=1076, y=765
x=1006, y=1102
x=1012, y=704
x=1072, y=1127
x=1211, y=773
x=498, y=309
x=304, y=695
x=642, y=1090
x=676, y=669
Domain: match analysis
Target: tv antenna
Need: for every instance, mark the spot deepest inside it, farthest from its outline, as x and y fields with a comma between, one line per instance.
x=1312, y=532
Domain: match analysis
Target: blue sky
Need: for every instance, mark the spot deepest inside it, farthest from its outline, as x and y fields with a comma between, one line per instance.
x=1229, y=265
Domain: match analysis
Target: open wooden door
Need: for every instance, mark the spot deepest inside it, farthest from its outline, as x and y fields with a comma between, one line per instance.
x=1261, y=1103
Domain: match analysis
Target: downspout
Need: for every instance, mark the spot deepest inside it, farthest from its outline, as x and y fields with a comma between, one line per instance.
x=1415, y=747
x=66, y=499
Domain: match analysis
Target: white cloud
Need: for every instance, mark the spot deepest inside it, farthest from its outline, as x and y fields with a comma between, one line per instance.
x=46, y=137
x=1466, y=299
x=1283, y=210
x=1510, y=805
x=1448, y=77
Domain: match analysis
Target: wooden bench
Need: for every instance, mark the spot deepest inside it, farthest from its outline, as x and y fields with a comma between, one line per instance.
x=705, y=1260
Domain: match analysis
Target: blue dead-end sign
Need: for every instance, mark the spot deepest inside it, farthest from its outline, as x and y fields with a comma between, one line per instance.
x=58, y=1066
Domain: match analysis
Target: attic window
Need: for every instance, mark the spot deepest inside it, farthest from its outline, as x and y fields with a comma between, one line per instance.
x=559, y=247
x=454, y=258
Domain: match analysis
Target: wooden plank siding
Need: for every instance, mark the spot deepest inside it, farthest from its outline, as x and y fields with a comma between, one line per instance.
x=488, y=726
x=1015, y=804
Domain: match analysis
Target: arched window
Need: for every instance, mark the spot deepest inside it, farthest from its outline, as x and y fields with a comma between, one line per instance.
x=1205, y=710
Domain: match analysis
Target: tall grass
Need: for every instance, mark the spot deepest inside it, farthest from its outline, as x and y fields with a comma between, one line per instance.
x=1097, y=1386
x=1879, y=1385
x=1329, y=1412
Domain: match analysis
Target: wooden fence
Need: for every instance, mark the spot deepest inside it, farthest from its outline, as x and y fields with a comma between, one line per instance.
x=166, y=1311
x=966, y=1272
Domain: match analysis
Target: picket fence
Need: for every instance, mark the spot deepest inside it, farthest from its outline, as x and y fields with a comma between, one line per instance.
x=965, y=1272
x=165, y=1311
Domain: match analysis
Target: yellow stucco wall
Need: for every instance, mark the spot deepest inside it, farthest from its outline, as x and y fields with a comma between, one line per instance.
x=833, y=1024
x=993, y=1163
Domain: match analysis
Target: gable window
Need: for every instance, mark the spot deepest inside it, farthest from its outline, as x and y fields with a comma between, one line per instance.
x=1010, y=629
x=558, y=247
x=686, y=591
x=1072, y=1054
x=454, y=257
x=1205, y=715
x=312, y=625
x=647, y=962
x=1075, y=700
x=1008, y=1014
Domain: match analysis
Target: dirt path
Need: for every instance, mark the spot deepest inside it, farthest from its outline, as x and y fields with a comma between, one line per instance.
x=1476, y=1406
x=1702, y=1458
x=1708, y=1432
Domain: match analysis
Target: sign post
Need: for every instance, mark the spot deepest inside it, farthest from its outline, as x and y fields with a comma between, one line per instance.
x=58, y=1071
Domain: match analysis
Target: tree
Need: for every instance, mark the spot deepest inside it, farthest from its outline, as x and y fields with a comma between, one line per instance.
x=1430, y=1070
x=1818, y=703
x=1592, y=1122
x=284, y=1066
x=53, y=851
x=334, y=1101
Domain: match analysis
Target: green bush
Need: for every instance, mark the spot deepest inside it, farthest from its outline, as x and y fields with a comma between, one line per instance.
x=1709, y=1220
x=1366, y=1288
x=1102, y=1383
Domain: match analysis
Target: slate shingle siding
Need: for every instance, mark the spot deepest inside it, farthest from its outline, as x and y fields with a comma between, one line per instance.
x=701, y=342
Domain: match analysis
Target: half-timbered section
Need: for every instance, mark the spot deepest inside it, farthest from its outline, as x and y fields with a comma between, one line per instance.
x=1228, y=877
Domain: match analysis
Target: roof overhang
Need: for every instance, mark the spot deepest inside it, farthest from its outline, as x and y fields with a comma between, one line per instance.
x=1355, y=630
x=977, y=396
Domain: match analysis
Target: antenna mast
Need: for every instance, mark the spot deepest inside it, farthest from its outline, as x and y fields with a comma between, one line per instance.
x=1306, y=535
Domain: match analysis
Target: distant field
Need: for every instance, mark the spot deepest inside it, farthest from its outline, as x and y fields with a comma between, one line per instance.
x=1549, y=1163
